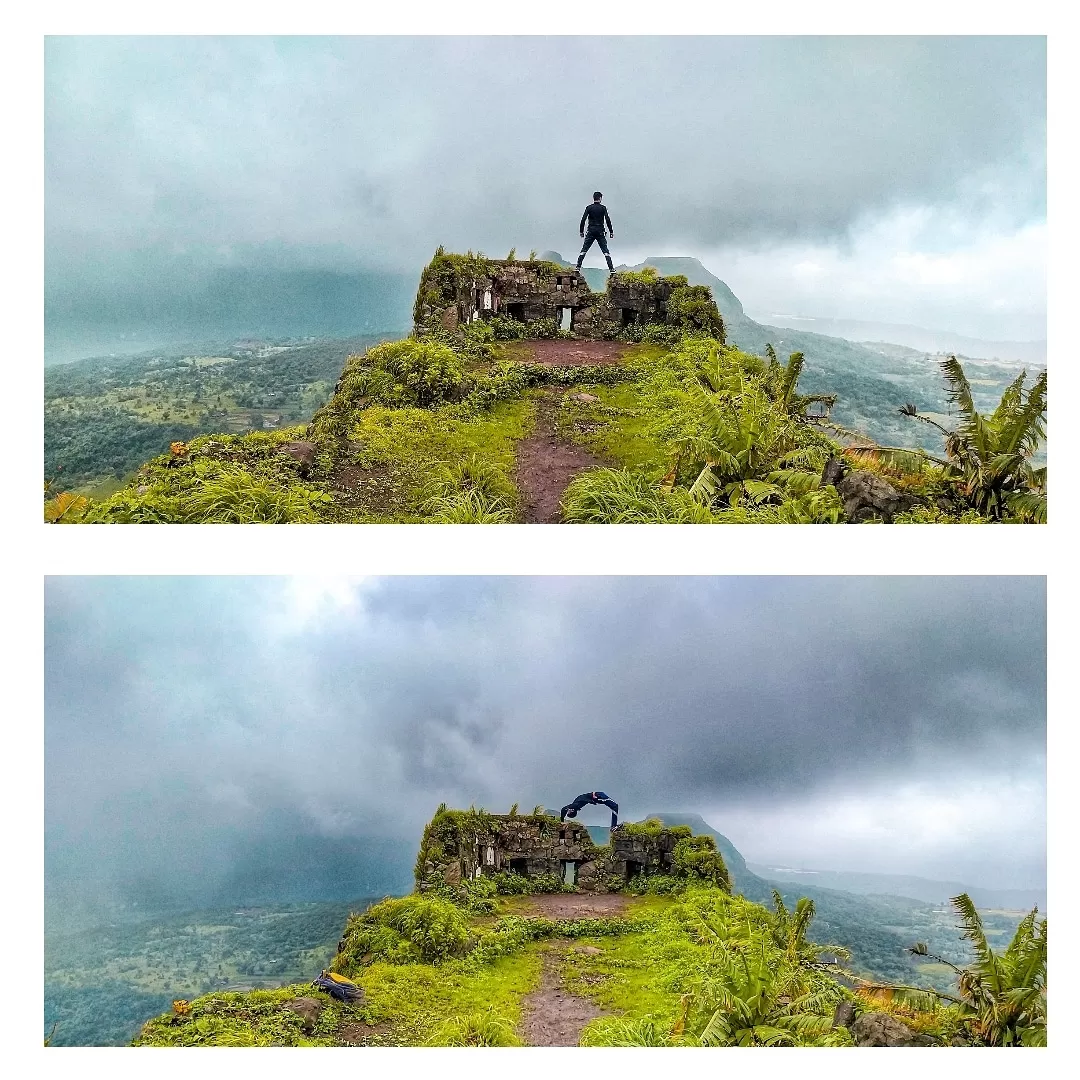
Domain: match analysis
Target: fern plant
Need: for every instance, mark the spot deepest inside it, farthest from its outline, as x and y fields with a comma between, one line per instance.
x=988, y=459
x=1001, y=996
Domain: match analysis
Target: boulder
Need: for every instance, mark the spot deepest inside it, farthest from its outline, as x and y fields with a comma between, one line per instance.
x=585, y=399
x=844, y=1016
x=303, y=453
x=881, y=1029
x=868, y=496
x=833, y=472
x=308, y=1009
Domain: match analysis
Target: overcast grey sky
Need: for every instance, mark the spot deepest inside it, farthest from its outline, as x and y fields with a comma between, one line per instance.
x=897, y=179
x=883, y=724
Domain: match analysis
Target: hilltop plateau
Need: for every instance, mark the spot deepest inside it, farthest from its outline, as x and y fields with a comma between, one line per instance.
x=525, y=395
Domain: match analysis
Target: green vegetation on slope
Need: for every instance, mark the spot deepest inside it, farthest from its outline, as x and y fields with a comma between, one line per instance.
x=102, y=981
x=105, y=417
x=690, y=430
x=698, y=967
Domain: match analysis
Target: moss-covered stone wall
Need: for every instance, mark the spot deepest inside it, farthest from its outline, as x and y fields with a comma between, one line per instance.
x=458, y=289
x=461, y=844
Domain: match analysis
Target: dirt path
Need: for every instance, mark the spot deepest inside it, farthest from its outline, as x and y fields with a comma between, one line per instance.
x=550, y=1015
x=572, y=353
x=575, y=905
x=546, y=464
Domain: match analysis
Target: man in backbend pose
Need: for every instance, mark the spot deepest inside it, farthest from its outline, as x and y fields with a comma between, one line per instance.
x=592, y=798
x=597, y=216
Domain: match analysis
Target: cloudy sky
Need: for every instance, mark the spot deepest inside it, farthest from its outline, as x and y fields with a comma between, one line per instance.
x=200, y=724
x=899, y=179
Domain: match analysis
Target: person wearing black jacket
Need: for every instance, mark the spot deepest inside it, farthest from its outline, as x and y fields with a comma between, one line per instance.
x=597, y=216
x=591, y=798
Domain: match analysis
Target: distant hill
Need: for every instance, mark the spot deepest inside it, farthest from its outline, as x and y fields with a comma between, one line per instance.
x=225, y=306
x=919, y=338
x=918, y=888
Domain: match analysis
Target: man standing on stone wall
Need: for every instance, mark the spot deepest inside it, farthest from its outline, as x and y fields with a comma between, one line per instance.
x=597, y=217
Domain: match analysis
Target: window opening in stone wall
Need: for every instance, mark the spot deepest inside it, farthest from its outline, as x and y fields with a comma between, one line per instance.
x=516, y=311
x=487, y=299
x=569, y=872
x=519, y=866
x=629, y=316
x=566, y=316
x=634, y=869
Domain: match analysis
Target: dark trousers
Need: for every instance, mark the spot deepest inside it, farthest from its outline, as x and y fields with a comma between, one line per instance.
x=595, y=236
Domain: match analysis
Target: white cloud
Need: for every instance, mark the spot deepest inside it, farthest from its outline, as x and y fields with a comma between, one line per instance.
x=311, y=600
x=940, y=826
x=912, y=266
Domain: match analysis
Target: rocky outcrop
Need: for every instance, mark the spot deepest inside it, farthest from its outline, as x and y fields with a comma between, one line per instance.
x=866, y=496
x=881, y=1029
x=308, y=1009
x=303, y=453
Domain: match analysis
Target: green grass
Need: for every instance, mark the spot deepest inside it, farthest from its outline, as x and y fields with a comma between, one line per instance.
x=406, y=1004
x=411, y=444
x=428, y=431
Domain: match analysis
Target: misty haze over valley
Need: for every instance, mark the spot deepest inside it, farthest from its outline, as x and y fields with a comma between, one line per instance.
x=294, y=187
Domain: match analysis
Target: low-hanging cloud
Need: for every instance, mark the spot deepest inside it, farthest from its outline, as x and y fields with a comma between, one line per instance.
x=192, y=722
x=166, y=156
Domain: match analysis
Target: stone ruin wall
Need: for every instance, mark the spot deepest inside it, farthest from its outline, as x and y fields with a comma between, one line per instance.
x=529, y=290
x=525, y=846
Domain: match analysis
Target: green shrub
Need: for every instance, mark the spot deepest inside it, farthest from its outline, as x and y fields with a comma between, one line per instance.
x=693, y=308
x=696, y=857
x=410, y=929
x=475, y=1029
x=619, y=496
x=213, y=492
x=661, y=334
x=506, y=329
x=647, y=275
x=470, y=492
x=477, y=895
x=414, y=372
x=655, y=885
x=478, y=340
x=653, y=333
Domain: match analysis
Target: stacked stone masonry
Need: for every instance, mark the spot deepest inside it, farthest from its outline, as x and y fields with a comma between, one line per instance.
x=531, y=290
x=531, y=846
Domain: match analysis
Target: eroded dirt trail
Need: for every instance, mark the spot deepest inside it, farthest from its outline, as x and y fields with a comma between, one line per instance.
x=545, y=463
x=572, y=353
x=551, y=1015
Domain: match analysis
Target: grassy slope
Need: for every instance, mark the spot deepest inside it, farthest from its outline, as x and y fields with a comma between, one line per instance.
x=102, y=981
x=379, y=457
x=404, y=1004
x=104, y=417
x=642, y=974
